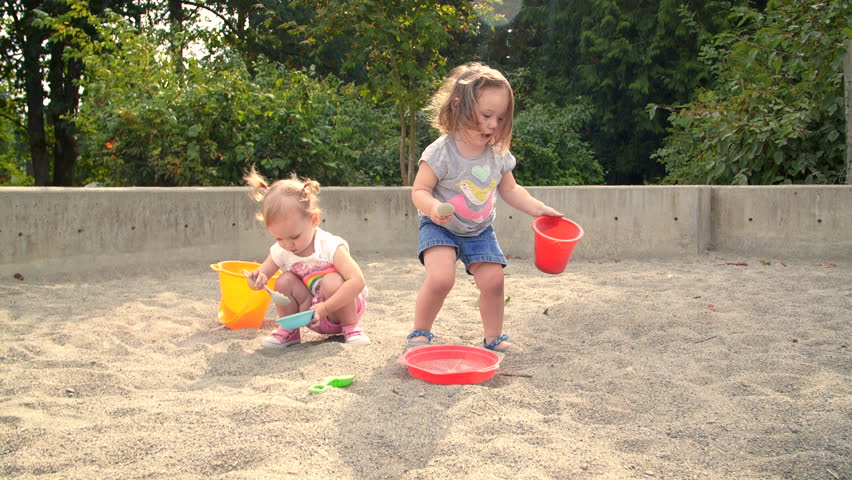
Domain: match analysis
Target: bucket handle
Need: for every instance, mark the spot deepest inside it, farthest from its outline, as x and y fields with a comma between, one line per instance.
x=561, y=240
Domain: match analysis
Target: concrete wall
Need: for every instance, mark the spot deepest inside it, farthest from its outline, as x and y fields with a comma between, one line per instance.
x=805, y=220
x=79, y=229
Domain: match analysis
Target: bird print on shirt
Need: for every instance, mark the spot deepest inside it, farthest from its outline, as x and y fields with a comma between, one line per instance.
x=474, y=196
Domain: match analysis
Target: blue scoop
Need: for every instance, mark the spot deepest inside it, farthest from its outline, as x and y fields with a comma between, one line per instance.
x=297, y=320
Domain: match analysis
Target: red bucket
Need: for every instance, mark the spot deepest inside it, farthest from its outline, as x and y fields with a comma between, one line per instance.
x=555, y=239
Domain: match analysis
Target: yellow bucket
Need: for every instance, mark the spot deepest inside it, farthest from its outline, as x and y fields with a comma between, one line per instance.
x=240, y=306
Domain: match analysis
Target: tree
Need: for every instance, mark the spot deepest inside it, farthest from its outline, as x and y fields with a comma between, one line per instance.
x=617, y=54
x=143, y=122
x=776, y=112
x=13, y=152
x=22, y=52
x=400, y=46
x=40, y=49
x=547, y=143
x=257, y=31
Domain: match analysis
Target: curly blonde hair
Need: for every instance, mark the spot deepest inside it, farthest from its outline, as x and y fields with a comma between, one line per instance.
x=272, y=197
x=453, y=106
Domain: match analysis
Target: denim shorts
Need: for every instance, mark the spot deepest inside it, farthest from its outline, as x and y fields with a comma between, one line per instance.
x=470, y=250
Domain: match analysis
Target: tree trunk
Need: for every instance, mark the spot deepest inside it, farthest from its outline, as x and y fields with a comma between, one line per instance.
x=34, y=92
x=176, y=26
x=63, y=76
x=847, y=76
x=412, y=142
x=402, y=126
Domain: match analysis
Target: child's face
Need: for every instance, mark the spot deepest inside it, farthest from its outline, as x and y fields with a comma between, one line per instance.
x=294, y=233
x=490, y=112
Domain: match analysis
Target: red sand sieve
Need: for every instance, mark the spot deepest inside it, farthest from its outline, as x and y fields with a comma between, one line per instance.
x=450, y=364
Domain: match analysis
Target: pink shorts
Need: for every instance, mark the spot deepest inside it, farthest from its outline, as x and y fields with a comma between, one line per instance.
x=327, y=327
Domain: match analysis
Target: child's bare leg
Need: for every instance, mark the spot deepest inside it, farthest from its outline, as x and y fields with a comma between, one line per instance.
x=343, y=316
x=291, y=285
x=489, y=281
x=440, y=263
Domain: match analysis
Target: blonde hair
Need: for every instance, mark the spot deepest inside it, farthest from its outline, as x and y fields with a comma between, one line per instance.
x=453, y=106
x=273, y=197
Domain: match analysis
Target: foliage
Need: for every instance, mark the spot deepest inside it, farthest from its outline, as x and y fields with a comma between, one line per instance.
x=12, y=155
x=259, y=32
x=284, y=84
x=776, y=115
x=13, y=148
x=40, y=45
x=144, y=124
x=619, y=55
x=400, y=45
x=549, y=149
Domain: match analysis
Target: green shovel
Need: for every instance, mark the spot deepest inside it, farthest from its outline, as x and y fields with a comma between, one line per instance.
x=328, y=382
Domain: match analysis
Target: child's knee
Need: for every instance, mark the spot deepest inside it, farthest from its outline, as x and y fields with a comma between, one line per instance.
x=330, y=283
x=440, y=285
x=287, y=282
x=490, y=282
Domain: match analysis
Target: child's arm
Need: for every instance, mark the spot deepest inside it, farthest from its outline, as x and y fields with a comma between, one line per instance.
x=518, y=197
x=353, y=284
x=259, y=277
x=422, y=197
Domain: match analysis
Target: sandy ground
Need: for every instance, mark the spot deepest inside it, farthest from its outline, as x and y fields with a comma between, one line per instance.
x=660, y=369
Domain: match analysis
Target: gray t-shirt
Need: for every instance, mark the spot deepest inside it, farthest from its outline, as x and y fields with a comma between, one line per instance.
x=468, y=184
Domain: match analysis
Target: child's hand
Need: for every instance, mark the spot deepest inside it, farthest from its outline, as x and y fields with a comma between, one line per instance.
x=319, y=312
x=545, y=211
x=257, y=280
x=442, y=213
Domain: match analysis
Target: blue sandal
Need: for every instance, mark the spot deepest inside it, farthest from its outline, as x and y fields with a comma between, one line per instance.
x=419, y=333
x=497, y=341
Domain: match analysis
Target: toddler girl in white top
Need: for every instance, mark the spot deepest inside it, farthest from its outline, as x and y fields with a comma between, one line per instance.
x=318, y=272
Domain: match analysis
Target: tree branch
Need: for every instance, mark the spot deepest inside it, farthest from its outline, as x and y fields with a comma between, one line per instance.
x=16, y=121
x=224, y=19
x=667, y=108
x=749, y=42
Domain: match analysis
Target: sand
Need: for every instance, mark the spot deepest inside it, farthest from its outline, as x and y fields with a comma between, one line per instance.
x=660, y=369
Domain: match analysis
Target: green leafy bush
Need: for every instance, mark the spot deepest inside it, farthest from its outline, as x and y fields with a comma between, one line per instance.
x=13, y=155
x=141, y=123
x=549, y=149
x=322, y=129
x=776, y=115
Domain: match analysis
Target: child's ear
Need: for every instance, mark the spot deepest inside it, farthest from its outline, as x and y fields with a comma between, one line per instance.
x=315, y=219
